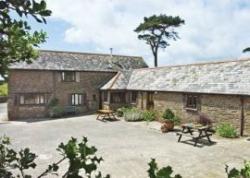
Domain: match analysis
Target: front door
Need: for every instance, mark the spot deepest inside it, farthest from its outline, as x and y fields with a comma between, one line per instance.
x=150, y=100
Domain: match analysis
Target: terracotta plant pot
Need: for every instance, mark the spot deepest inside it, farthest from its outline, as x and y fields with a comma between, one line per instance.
x=167, y=126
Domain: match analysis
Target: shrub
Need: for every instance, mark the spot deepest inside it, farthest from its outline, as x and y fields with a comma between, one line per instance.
x=170, y=116
x=204, y=119
x=56, y=112
x=4, y=89
x=235, y=173
x=149, y=115
x=226, y=130
x=53, y=102
x=120, y=111
x=133, y=114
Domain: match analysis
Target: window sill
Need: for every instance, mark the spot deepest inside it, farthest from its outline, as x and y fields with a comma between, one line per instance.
x=191, y=109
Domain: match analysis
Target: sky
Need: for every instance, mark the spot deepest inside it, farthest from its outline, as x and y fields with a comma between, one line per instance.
x=213, y=30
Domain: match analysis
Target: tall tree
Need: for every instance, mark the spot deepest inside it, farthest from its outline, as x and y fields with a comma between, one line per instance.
x=246, y=50
x=17, y=41
x=157, y=30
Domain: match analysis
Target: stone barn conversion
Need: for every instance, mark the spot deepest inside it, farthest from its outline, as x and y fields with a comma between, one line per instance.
x=220, y=90
x=73, y=78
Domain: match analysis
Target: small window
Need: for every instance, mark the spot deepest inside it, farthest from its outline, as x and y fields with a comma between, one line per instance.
x=191, y=102
x=32, y=99
x=78, y=99
x=105, y=96
x=134, y=96
x=118, y=97
x=94, y=97
x=68, y=76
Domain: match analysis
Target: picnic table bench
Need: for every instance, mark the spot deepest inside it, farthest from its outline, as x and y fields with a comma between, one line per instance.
x=105, y=114
x=201, y=132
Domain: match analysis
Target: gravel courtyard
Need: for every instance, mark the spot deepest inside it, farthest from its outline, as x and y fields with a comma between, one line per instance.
x=128, y=147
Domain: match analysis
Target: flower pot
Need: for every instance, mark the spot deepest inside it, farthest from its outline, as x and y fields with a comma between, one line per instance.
x=167, y=126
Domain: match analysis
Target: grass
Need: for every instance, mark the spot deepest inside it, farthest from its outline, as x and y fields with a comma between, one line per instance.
x=4, y=89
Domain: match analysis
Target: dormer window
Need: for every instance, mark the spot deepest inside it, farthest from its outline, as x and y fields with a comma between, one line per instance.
x=68, y=76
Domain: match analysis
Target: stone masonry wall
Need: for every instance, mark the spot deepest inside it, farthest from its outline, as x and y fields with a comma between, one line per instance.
x=24, y=81
x=220, y=108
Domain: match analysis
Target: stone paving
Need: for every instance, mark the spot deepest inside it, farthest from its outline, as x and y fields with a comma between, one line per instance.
x=127, y=147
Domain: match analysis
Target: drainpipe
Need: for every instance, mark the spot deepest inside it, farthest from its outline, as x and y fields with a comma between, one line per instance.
x=242, y=117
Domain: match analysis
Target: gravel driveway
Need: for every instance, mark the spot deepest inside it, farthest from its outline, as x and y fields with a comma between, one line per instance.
x=128, y=147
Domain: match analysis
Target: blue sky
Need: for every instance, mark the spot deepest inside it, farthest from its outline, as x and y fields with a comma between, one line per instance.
x=214, y=30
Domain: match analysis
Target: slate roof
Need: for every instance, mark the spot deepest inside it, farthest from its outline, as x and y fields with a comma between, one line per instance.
x=227, y=77
x=62, y=60
x=119, y=81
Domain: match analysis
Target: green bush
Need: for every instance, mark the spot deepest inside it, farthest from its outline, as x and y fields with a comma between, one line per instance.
x=120, y=111
x=170, y=116
x=56, y=112
x=4, y=89
x=226, y=130
x=133, y=114
x=53, y=102
x=149, y=115
x=242, y=173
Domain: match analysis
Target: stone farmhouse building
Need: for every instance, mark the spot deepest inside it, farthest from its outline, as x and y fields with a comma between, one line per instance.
x=220, y=90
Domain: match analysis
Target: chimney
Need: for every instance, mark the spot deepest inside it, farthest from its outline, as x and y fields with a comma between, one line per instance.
x=111, y=52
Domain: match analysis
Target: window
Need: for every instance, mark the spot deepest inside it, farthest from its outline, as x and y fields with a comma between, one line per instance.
x=191, y=102
x=134, y=96
x=78, y=99
x=118, y=97
x=105, y=96
x=94, y=97
x=32, y=99
x=68, y=76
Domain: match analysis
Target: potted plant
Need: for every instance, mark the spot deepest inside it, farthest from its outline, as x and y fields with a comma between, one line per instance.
x=169, y=120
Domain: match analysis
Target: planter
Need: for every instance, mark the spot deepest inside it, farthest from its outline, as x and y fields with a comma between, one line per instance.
x=167, y=126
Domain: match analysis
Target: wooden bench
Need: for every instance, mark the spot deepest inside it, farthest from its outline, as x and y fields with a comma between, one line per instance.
x=70, y=110
x=200, y=132
x=105, y=114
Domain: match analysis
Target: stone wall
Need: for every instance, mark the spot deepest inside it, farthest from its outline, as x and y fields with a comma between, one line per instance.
x=247, y=116
x=24, y=81
x=220, y=108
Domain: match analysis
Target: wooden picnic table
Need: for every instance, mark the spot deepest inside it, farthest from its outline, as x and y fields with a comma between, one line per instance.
x=105, y=114
x=190, y=129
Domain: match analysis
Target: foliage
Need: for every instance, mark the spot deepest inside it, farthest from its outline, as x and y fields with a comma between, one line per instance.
x=226, y=130
x=4, y=89
x=157, y=30
x=242, y=173
x=53, y=102
x=133, y=114
x=155, y=172
x=246, y=50
x=149, y=115
x=81, y=158
x=12, y=161
x=17, y=40
x=204, y=120
x=56, y=112
x=120, y=111
x=170, y=116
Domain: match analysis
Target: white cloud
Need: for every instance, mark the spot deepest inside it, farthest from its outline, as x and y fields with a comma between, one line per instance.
x=213, y=29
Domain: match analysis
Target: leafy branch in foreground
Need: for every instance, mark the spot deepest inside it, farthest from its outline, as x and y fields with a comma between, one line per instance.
x=82, y=161
x=242, y=173
x=155, y=172
x=17, y=40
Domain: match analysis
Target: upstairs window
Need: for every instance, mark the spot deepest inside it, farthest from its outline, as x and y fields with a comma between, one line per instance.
x=32, y=99
x=191, y=102
x=78, y=99
x=134, y=96
x=68, y=76
x=118, y=97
